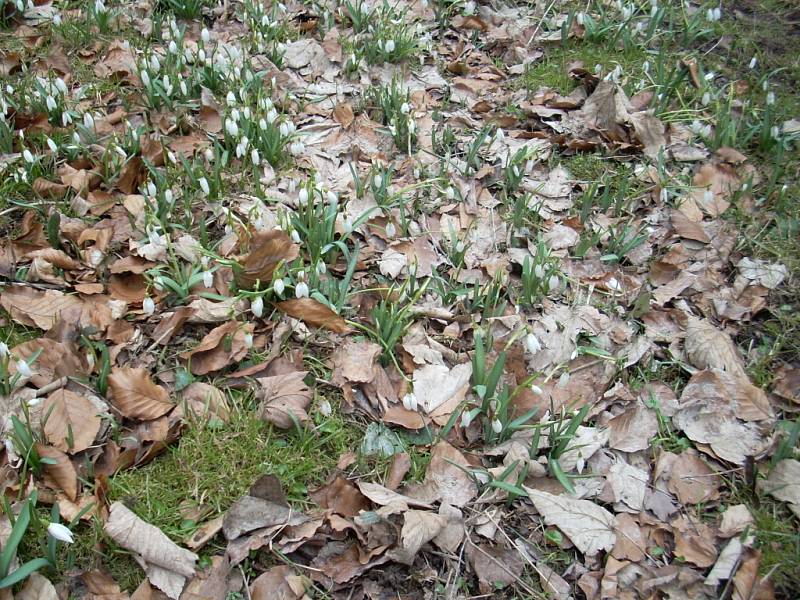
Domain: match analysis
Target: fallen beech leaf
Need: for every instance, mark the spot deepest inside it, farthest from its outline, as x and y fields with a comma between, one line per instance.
x=135, y=395
x=496, y=567
x=36, y=308
x=37, y=587
x=203, y=400
x=221, y=347
x=688, y=229
x=61, y=472
x=783, y=483
x=694, y=541
x=279, y=583
x=419, y=527
x=249, y=513
x=343, y=114
x=314, y=313
x=167, y=565
x=354, y=362
x=55, y=360
x=341, y=497
x=72, y=421
x=447, y=478
x=267, y=251
x=709, y=348
x=692, y=480
x=633, y=429
x=49, y=189
x=284, y=396
x=439, y=389
x=589, y=526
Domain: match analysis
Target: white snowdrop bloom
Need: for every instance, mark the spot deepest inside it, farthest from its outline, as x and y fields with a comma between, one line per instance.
x=284, y=129
x=151, y=188
x=775, y=131
x=257, y=306
x=325, y=408
x=272, y=115
x=266, y=104
x=167, y=85
x=664, y=194
x=24, y=369
x=553, y=283
x=332, y=197
x=262, y=124
x=539, y=272
x=706, y=98
x=60, y=532
x=3, y=349
x=204, y=185
x=391, y=231
x=121, y=151
x=536, y=390
x=208, y=153
x=208, y=279
x=230, y=99
x=613, y=284
x=466, y=419
x=184, y=88
x=246, y=113
x=278, y=287
x=88, y=120
x=248, y=340
x=627, y=12
x=580, y=18
x=417, y=173
x=173, y=47
x=469, y=8
x=497, y=426
x=460, y=247
x=532, y=344
x=708, y=197
x=145, y=77
x=717, y=14
x=301, y=290
x=205, y=36
x=66, y=119
x=295, y=236
x=57, y=20
x=450, y=193
x=255, y=157
x=50, y=102
x=52, y=145
x=155, y=64
x=201, y=56
x=302, y=197
x=320, y=268
x=377, y=180
x=99, y=7
x=405, y=108
x=231, y=127
x=389, y=46
x=168, y=196
x=770, y=98
x=563, y=381
x=410, y=402
x=297, y=148
x=753, y=62
x=235, y=115
x=148, y=306
x=709, y=76
x=26, y=154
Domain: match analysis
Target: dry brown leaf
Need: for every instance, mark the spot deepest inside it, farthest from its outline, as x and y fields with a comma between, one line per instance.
x=37, y=587
x=343, y=114
x=694, y=541
x=721, y=181
x=49, y=189
x=783, y=483
x=72, y=421
x=36, y=308
x=249, y=513
x=354, y=362
x=203, y=400
x=55, y=360
x=633, y=429
x=440, y=390
x=692, y=480
x=589, y=526
x=135, y=395
x=419, y=527
x=268, y=250
x=688, y=229
x=709, y=348
x=167, y=565
x=279, y=583
x=220, y=348
x=60, y=473
x=283, y=397
x=447, y=478
x=496, y=567
x=314, y=313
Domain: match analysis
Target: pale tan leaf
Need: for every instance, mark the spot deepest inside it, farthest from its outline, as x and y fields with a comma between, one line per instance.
x=279, y=583
x=268, y=250
x=314, y=313
x=37, y=587
x=60, y=473
x=419, y=527
x=283, y=397
x=72, y=421
x=220, y=348
x=783, y=483
x=135, y=395
x=589, y=526
x=709, y=348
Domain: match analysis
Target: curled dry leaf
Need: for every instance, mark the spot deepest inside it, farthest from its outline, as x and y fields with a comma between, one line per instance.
x=285, y=398
x=709, y=348
x=314, y=313
x=447, y=478
x=135, y=395
x=783, y=483
x=279, y=583
x=589, y=526
x=167, y=565
x=36, y=308
x=59, y=472
x=267, y=251
x=221, y=347
x=419, y=527
x=440, y=390
x=72, y=421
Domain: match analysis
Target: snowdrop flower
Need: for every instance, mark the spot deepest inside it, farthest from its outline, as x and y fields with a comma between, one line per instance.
x=278, y=287
x=148, y=306
x=320, y=268
x=88, y=120
x=532, y=344
x=60, y=532
x=706, y=98
x=627, y=12
x=262, y=124
x=173, y=47
x=450, y=193
x=272, y=115
x=332, y=197
x=246, y=112
x=753, y=62
x=208, y=279
x=708, y=197
x=466, y=419
x=257, y=307
x=151, y=189
x=168, y=196
x=205, y=36
x=145, y=77
x=405, y=108
x=664, y=195
x=201, y=55
x=302, y=197
x=297, y=148
x=208, y=153
x=391, y=231
x=497, y=426
x=284, y=129
x=50, y=102
x=301, y=290
x=235, y=115
x=99, y=7
x=775, y=131
x=539, y=271
x=469, y=8
x=254, y=157
x=410, y=402
x=26, y=154
x=248, y=340
x=295, y=236
x=121, y=151
x=57, y=20
x=230, y=99
x=460, y=246
x=389, y=46
x=553, y=283
x=24, y=369
x=231, y=127
x=613, y=284
x=204, y=185
x=66, y=119
x=563, y=380
x=325, y=408
x=770, y=98
x=155, y=64
x=536, y=390
x=3, y=349
x=580, y=18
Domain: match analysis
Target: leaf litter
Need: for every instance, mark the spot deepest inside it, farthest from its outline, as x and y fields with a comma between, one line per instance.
x=394, y=232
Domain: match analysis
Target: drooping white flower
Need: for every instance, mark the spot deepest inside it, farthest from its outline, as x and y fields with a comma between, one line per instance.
x=255, y=157
x=230, y=99
x=50, y=102
x=88, y=120
x=3, y=349
x=536, y=390
x=145, y=77
x=302, y=197
x=405, y=108
x=148, y=306
x=389, y=46
x=410, y=402
x=295, y=236
x=301, y=290
x=155, y=64
x=466, y=419
x=539, y=271
x=770, y=98
x=450, y=193
x=325, y=408
x=257, y=307
x=248, y=340
x=151, y=189
x=391, y=230
x=208, y=279
x=553, y=283
x=60, y=532
x=278, y=287
x=205, y=36
x=753, y=62
x=204, y=185
x=26, y=154
x=297, y=148
x=24, y=369
x=173, y=47
x=497, y=426
x=231, y=127
x=532, y=344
